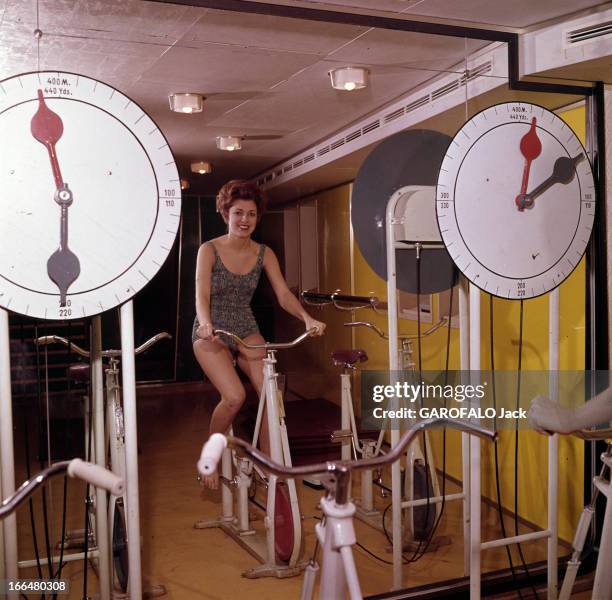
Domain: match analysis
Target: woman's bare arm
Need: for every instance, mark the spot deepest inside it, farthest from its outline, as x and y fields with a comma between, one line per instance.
x=204, y=265
x=285, y=296
x=547, y=415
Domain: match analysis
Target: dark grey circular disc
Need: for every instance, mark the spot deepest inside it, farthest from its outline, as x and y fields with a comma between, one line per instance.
x=410, y=157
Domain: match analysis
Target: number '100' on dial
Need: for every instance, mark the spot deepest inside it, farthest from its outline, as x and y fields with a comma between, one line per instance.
x=91, y=194
x=515, y=200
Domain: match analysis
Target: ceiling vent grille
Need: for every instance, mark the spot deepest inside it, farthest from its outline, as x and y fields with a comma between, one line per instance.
x=587, y=34
x=394, y=116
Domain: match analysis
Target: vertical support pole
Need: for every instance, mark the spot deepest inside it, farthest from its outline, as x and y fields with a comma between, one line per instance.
x=553, y=446
x=6, y=447
x=475, y=532
x=99, y=452
x=396, y=483
x=128, y=365
x=345, y=414
x=464, y=365
x=602, y=586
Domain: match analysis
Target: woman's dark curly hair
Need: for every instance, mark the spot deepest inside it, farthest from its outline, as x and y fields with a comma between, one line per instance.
x=240, y=189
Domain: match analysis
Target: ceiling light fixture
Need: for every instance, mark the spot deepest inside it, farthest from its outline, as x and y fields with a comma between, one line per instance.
x=229, y=143
x=185, y=102
x=202, y=167
x=349, y=78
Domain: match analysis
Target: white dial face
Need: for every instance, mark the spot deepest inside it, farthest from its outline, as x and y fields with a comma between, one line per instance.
x=516, y=200
x=91, y=196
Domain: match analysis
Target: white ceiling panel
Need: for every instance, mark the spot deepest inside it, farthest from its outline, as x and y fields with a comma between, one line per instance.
x=403, y=49
x=269, y=32
x=262, y=75
x=499, y=13
x=219, y=68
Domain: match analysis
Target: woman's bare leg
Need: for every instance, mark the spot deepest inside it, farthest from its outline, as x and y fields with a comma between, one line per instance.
x=216, y=362
x=251, y=364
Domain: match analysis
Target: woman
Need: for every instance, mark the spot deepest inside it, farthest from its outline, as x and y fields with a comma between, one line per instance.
x=227, y=272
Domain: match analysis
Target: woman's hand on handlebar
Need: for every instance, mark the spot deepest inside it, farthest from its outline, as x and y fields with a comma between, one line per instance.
x=318, y=326
x=548, y=416
x=206, y=332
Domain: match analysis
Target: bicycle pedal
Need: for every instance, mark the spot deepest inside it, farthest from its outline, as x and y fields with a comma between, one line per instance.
x=313, y=483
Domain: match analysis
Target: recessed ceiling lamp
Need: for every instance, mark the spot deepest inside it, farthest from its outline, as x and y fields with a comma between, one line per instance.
x=229, y=143
x=202, y=167
x=349, y=78
x=185, y=102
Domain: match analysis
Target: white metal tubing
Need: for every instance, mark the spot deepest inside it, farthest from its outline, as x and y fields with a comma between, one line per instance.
x=226, y=493
x=396, y=498
x=516, y=539
x=553, y=447
x=464, y=364
x=242, y=500
x=345, y=417
x=332, y=585
x=602, y=586
x=475, y=532
x=271, y=389
x=99, y=450
x=269, y=523
x=293, y=497
x=350, y=572
x=131, y=449
x=433, y=500
x=6, y=447
x=28, y=564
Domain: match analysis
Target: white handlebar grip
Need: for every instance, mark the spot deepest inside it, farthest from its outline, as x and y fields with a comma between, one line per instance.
x=96, y=475
x=211, y=454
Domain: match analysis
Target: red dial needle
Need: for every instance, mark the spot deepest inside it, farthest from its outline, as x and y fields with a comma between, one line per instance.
x=47, y=128
x=63, y=266
x=530, y=149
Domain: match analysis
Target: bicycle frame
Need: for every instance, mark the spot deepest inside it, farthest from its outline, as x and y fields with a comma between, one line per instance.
x=336, y=535
x=238, y=527
x=109, y=438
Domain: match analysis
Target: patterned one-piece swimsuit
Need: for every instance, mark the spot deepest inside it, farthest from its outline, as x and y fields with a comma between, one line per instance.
x=230, y=299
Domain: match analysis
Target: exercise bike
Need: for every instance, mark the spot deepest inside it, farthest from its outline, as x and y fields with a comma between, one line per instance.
x=114, y=456
x=90, y=473
x=279, y=548
x=336, y=532
x=420, y=480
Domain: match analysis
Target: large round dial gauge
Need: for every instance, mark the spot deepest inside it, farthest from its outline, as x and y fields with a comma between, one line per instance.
x=91, y=196
x=515, y=200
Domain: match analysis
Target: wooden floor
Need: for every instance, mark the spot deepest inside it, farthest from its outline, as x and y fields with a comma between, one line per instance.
x=206, y=564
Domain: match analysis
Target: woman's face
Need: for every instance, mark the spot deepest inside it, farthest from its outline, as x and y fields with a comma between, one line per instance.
x=242, y=218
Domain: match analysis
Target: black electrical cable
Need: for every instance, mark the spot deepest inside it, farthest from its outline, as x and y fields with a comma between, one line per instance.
x=443, y=492
x=65, y=500
x=496, y=448
x=44, y=490
x=516, y=449
x=61, y=556
x=88, y=453
x=29, y=472
x=417, y=552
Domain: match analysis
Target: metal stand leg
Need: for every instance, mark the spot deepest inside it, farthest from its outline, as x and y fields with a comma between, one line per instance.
x=97, y=391
x=602, y=587
x=6, y=447
x=131, y=449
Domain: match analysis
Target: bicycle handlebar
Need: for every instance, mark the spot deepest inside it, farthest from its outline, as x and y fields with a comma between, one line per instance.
x=213, y=448
x=51, y=339
x=266, y=345
x=382, y=334
x=94, y=474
